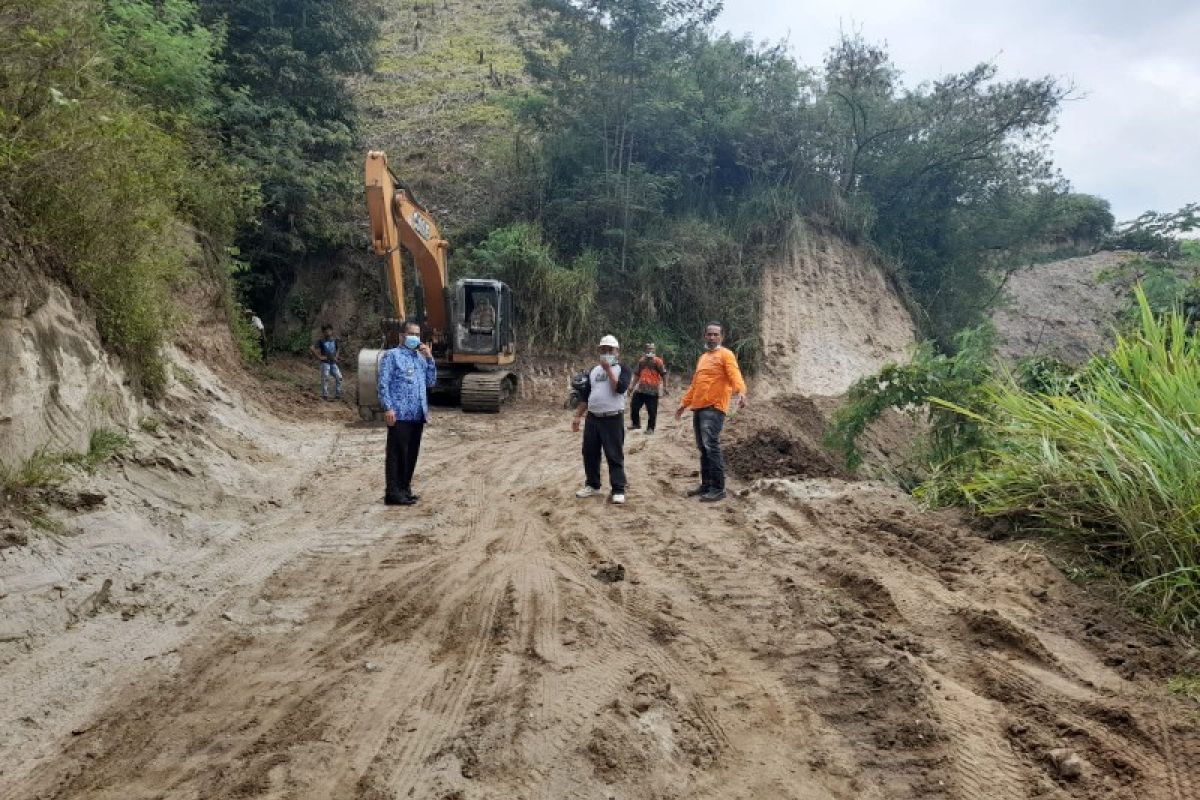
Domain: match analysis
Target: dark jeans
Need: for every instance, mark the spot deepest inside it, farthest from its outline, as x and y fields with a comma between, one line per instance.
x=403, y=447
x=650, y=401
x=707, y=423
x=607, y=435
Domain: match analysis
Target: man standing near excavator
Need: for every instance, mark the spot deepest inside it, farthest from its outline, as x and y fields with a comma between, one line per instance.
x=327, y=349
x=405, y=375
x=716, y=383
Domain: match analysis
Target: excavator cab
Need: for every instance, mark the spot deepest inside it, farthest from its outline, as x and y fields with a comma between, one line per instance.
x=482, y=312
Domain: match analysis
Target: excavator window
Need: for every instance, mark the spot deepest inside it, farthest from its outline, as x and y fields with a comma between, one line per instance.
x=479, y=317
x=481, y=312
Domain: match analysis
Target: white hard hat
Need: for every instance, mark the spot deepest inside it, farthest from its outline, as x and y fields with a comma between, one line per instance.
x=610, y=341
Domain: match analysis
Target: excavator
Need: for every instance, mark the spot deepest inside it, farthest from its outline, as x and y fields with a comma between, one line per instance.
x=469, y=325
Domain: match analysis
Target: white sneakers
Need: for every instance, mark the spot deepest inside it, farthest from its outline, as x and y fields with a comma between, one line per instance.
x=588, y=491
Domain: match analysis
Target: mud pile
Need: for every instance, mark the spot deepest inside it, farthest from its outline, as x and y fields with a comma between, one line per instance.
x=780, y=437
x=812, y=638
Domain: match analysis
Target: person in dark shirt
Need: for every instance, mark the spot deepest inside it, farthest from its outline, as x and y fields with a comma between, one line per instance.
x=326, y=350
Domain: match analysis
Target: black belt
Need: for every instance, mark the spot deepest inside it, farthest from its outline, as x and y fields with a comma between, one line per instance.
x=605, y=414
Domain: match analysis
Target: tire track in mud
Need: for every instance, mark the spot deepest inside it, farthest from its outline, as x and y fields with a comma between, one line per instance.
x=767, y=648
x=1181, y=756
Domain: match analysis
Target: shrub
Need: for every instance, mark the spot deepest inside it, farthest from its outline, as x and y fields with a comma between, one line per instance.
x=930, y=374
x=555, y=303
x=1111, y=465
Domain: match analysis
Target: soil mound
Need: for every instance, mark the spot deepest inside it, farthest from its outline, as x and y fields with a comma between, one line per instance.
x=780, y=438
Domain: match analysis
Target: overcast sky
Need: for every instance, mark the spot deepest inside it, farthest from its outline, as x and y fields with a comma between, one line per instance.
x=1132, y=137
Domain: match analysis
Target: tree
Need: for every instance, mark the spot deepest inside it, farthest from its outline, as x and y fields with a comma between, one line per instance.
x=950, y=169
x=288, y=121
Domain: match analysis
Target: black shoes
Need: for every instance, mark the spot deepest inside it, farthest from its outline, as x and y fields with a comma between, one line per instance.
x=712, y=496
x=401, y=499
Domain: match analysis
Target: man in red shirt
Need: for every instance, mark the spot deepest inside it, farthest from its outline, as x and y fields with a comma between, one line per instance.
x=649, y=383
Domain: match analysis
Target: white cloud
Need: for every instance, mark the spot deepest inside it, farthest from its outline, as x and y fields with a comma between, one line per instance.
x=1131, y=137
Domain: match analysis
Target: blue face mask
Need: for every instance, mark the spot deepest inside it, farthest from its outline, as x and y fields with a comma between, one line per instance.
x=412, y=342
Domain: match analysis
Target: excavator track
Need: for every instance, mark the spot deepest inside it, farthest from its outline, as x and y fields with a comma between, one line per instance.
x=487, y=391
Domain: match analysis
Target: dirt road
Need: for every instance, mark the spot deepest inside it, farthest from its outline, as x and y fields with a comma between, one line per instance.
x=810, y=639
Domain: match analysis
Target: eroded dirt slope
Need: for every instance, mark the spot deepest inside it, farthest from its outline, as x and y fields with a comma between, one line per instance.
x=830, y=316
x=1062, y=308
x=808, y=639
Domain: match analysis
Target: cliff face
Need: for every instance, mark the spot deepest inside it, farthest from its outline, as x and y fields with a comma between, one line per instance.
x=830, y=316
x=57, y=384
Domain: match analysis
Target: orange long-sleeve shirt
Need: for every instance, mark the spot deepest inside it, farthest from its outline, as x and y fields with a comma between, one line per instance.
x=716, y=379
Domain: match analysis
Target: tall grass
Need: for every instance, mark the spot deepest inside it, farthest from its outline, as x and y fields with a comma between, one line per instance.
x=1113, y=464
x=557, y=302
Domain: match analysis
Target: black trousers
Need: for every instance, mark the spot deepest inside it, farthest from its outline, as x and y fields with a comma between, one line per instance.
x=707, y=424
x=403, y=447
x=650, y=401
x=604, y=435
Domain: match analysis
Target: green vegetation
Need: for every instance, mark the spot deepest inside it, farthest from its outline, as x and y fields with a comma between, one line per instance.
x=680, y=160
x=92, y=175
x=287, y=123
x=215, y=133
x=24, y=489
x=103, y=445
x=1111, y=464
x=441, y=102
x=1186, y=685
x=911, y=386
x=1103, y=457
x=140, y=138
x=1167, y=268
x=1157, y=234
x=556, y=301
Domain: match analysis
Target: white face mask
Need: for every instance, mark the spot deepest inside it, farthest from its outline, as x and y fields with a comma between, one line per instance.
x=609, y=359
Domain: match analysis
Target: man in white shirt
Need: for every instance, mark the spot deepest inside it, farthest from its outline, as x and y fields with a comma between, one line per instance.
x=604, y=429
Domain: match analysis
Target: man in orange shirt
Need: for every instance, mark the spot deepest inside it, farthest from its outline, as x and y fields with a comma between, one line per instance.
x=716, y=383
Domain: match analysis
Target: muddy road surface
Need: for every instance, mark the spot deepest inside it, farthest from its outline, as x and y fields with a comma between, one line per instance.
x=805, y=639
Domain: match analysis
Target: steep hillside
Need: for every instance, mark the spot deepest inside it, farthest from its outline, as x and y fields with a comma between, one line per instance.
x=57, y=383
x=1061, y=308
x=830, y=316
x=441, y=100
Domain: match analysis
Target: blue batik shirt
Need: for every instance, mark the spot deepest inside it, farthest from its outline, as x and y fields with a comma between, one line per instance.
x=404, y=380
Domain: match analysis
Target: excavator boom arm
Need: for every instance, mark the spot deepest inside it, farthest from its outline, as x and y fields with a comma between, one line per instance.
x=397, y=220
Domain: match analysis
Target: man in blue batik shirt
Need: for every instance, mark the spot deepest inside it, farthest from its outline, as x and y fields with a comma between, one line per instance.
x=405, y=375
